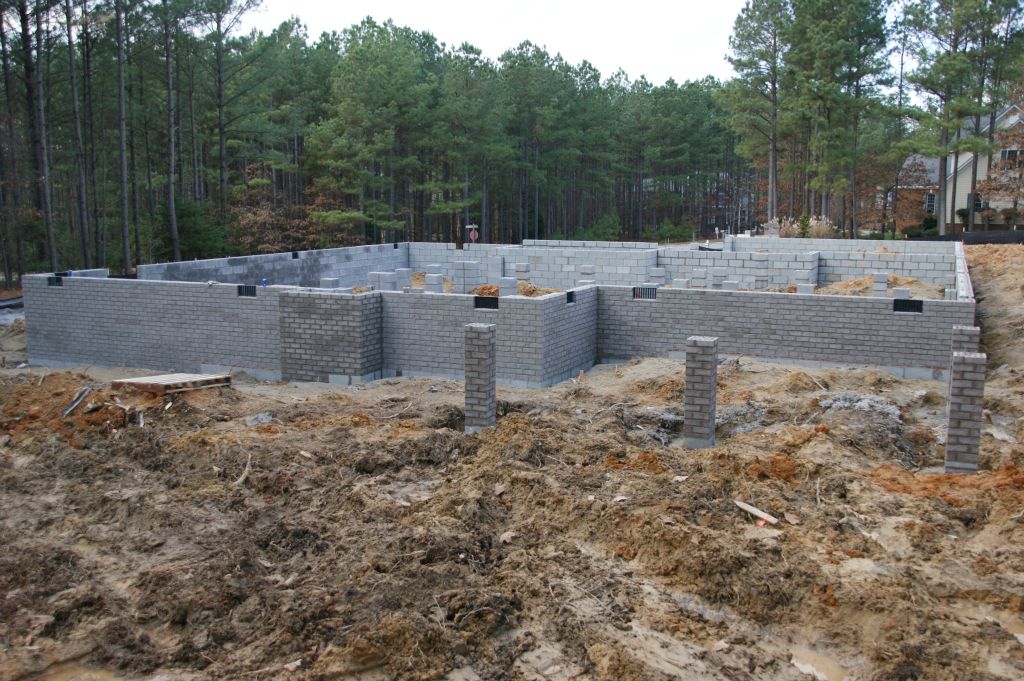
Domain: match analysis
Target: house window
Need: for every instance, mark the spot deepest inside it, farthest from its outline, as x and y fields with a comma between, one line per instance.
x=1013, y=157
x=978, y=203
x=929, y=203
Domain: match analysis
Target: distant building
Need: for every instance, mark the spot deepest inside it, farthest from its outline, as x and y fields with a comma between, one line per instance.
x=987, y=211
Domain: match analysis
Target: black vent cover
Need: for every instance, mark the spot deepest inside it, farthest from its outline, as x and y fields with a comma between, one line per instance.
x=645, y=293
x=907, y=305
x=245, y=291
x=485, y=302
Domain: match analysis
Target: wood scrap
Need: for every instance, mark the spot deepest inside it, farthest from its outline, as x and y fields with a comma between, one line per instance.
x=82, y=394
x=753, y=510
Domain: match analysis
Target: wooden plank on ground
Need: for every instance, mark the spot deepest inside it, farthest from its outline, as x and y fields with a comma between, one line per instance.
x=173, y=383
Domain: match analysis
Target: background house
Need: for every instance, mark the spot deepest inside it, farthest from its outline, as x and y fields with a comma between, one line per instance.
x=999, y=198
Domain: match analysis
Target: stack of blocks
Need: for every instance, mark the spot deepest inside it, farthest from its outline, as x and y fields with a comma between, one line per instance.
x=701, y=392
x=508, y=286
x=880, y=284
x=403, y=278
x=966, y=338
x=966, y=389
x=481, y=394
x=433, y=283
x=466, y=274
x=383, y=281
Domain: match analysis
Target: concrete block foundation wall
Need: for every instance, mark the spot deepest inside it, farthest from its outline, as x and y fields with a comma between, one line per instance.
x=350, y=266
x=754, y=263
x=748, y=269
x=805, y=328
x=841, y=259
x=563, y=267
x=570, y=333
x=177, y=326
x=540, y=341
x=333, y=335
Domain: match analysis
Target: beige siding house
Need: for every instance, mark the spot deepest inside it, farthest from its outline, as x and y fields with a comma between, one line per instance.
x=958, y=183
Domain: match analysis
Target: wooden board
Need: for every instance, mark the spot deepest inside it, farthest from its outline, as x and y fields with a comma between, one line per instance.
x=173, y=383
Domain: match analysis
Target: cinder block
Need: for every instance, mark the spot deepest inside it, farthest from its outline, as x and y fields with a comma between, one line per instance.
x=901, y=293
x=433, y=283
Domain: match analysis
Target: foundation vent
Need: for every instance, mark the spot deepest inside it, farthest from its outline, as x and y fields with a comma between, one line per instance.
x=485, y=302
x=396, y=245
x=570, y=297
x=295, y=255
x=645, y=293
x=907, y=305
x=55, y=281
x=246, y=291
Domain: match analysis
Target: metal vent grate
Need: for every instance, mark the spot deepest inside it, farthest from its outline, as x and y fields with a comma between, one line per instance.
x=645, y=293
x=246, y=291
x=907, y=305
x=485, y=302
x=570, y=296
x=295, y=255
x=55, y=281
x=396, y=245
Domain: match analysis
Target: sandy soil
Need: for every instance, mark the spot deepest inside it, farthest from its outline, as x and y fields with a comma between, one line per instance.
x=861, y=286
x=314, y=532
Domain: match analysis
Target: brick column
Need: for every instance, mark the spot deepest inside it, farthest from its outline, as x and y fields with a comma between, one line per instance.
x=966, y=388
x=701, y=393
x=481, y=395
x=966, y=338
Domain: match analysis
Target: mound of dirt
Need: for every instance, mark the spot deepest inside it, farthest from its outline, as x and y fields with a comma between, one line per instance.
x=862, y=286
x=486, y=290
x=525, y=288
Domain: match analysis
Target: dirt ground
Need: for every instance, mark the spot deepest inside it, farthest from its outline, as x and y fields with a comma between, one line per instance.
x=308, y=531
x=861, y=286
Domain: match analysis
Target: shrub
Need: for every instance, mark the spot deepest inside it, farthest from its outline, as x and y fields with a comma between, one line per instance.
x=821, y=228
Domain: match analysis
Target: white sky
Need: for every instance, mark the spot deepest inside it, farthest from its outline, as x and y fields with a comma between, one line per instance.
x=680, y=39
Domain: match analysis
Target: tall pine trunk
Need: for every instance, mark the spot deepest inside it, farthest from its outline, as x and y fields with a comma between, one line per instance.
x=81, y=193
x=122, y=138
x=172, y=214
x=12, y=198
x=37, y=128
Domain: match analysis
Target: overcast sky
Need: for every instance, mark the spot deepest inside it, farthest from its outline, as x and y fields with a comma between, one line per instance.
x=684, y=39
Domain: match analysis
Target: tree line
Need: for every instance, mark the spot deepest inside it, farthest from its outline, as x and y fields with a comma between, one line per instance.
x=831, y=98
x=141, y=130
x=135, y=131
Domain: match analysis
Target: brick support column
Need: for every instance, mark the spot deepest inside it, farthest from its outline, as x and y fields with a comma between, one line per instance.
x=701, y=392
x=966, y=389
x=481, y=394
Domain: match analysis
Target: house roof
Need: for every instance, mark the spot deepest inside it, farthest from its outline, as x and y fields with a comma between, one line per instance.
x=931, y=168
x=966, y=131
